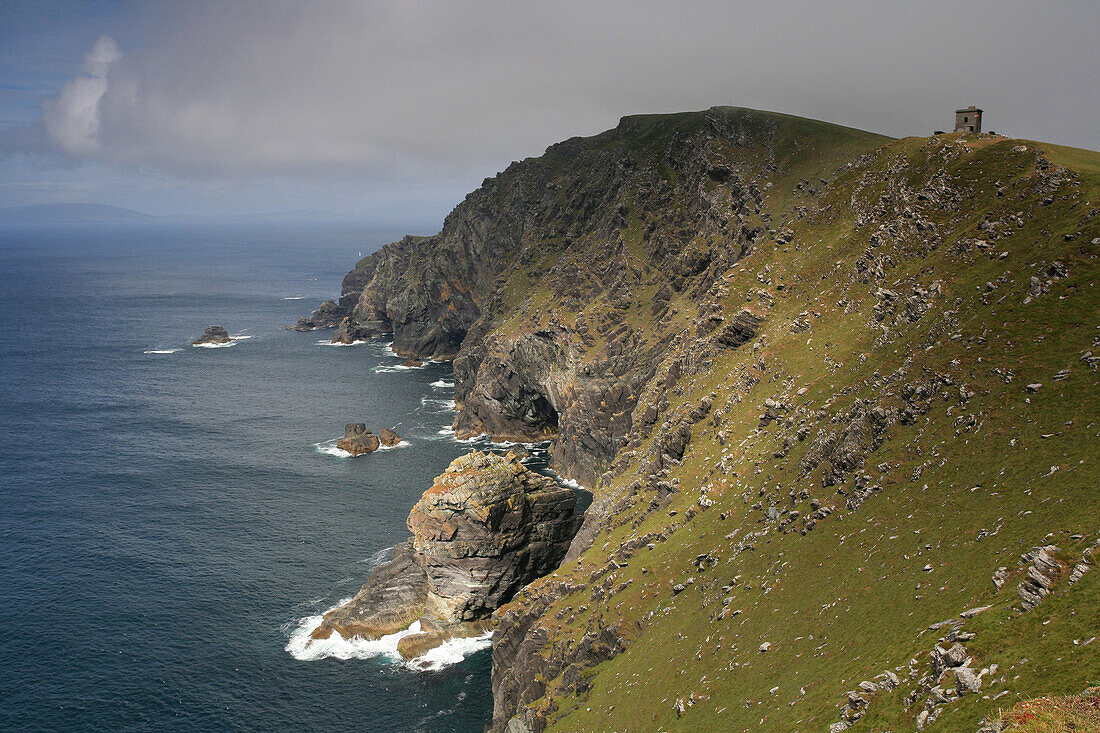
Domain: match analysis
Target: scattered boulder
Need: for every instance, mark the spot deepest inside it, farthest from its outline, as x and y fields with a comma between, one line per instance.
x=213, y=335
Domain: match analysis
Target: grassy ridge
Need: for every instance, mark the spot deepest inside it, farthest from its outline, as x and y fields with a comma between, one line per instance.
x=986, y=472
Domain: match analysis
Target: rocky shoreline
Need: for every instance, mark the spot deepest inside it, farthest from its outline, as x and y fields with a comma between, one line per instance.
x=487, y=526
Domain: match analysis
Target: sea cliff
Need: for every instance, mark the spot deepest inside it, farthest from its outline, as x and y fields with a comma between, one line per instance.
x=830, y=390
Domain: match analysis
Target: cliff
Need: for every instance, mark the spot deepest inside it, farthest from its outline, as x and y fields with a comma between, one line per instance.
x=486, y=527
x=835, y=395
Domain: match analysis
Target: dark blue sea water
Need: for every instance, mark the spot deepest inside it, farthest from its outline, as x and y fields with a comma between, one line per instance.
x=167, y=519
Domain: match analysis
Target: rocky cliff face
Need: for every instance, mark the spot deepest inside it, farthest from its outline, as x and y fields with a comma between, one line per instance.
x=810, y=374
x=486, y=527
x=553, y=286
x=332, y=313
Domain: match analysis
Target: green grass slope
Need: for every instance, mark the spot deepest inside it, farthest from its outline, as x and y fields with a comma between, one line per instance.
x=901, y=457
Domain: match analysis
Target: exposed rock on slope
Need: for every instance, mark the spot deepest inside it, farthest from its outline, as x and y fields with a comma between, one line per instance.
x=485, y=528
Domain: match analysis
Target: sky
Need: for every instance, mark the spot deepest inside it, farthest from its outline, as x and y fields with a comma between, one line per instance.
x=393, y=111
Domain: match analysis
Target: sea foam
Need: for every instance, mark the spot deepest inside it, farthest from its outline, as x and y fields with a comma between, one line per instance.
x=397, y=368
x=303, y=647
x=441, y=404
x=323, y=342
x=328, y=448
x=160, y=351
x=443, y=384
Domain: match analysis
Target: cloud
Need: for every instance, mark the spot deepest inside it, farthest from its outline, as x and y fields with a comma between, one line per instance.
x=441, y=90
x=72, y=118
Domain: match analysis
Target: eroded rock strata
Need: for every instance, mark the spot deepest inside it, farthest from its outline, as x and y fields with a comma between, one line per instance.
x=486, y=527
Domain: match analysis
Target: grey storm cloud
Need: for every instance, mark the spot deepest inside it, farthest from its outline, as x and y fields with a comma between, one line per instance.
x=424, y=88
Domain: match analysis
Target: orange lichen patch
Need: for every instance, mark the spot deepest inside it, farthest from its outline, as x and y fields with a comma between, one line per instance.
x=1062, y=714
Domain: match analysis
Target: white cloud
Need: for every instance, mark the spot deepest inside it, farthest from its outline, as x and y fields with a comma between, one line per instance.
x=72, y=118
x=443, y=90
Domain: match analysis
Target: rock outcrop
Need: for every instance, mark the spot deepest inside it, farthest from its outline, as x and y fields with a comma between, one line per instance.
x=331, y=313
x=388, y=437
x=358, y=440
x=212, y=335
x=486, y=527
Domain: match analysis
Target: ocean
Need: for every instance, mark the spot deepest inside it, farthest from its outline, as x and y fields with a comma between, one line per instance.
x=174, y=516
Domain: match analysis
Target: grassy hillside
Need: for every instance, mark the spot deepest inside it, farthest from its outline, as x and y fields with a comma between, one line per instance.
x=858, y=469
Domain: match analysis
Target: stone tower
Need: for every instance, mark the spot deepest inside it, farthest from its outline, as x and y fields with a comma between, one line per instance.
x=968, y=119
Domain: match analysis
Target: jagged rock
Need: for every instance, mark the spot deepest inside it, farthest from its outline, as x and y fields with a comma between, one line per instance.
x=413, y=362
x=485, y=528
x=327, y=315
x=388, y=438
x=357, y=439
x=392, y=598
x=213, y=335
x=967, y=680
x=1041, y=574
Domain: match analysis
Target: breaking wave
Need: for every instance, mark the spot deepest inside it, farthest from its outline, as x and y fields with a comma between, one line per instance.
x=441, y=404
x=304, y=648
x=160, y=351
x=323, y=342
x=443, y=384
x=328, y=448
x=402, y=444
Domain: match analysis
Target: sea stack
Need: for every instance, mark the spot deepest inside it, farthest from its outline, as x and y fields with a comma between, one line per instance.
x=486, y=527
x=388, y=437
x=213, y=335
x=357, y=439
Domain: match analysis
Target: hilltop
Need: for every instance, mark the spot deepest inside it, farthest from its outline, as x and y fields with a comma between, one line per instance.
x=835, y=395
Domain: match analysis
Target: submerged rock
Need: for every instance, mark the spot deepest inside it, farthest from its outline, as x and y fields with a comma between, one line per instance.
x=358, y=440
x=486, y=527
x=213, y=335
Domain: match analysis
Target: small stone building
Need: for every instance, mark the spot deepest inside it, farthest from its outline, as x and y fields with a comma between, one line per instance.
x=968, y=119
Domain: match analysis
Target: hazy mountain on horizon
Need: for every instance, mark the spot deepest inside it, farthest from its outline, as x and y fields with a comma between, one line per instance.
x=70, y=214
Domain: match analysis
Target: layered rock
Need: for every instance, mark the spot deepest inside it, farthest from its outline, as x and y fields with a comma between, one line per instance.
x=485, y=528
x=358, y=440
x=212, y=335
